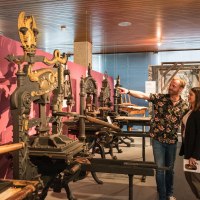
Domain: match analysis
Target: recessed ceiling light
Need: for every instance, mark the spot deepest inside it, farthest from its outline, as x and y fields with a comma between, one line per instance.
x=124, y=24
x=159, y=43
x=63, y=27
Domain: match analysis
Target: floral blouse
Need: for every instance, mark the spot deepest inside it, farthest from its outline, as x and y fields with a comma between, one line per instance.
x=166, y=118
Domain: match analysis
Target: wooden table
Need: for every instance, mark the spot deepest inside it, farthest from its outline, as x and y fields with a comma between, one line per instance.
x=133, y=109
x=140, y=121
x=143, y=121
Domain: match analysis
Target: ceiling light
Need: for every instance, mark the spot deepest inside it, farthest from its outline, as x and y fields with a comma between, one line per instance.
x=159, y=43
x=63, y=27
x=124, y=24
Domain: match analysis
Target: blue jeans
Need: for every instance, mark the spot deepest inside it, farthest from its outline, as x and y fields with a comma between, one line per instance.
x=164, y=155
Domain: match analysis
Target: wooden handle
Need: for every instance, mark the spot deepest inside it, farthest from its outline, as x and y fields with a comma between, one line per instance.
x=101, y=122
x=11, y=147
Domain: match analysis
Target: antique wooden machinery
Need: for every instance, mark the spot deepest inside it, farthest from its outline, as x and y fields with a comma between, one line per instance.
x=17, y=189
x=108, y=114
x=45, y=154
x=100, y=135
x=105, y=99
x=39, y=96
x=117, y=96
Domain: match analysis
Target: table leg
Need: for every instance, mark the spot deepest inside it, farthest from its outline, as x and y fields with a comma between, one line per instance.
x=130, y=186
x=143, y=156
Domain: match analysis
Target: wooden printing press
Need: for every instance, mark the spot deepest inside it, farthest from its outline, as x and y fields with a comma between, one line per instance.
x=96, y=125
x=48, y=158
x=120, y=112
x=99, y=136
x=104, y=136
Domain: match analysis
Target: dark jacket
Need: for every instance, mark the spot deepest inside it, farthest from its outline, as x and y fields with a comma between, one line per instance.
x=191, y=144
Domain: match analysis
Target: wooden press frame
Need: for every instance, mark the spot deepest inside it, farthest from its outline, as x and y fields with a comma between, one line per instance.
x=164, y=73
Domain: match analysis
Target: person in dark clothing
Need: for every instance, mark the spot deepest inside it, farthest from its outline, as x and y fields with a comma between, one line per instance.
x=191, y=139
x=167, y=115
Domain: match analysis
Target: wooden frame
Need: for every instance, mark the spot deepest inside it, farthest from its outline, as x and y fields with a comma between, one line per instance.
x=163, y=74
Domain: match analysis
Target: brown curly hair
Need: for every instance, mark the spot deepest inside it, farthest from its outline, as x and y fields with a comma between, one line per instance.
x=196, y=91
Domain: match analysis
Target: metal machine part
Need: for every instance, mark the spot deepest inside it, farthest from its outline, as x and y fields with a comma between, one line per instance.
x=38, y=97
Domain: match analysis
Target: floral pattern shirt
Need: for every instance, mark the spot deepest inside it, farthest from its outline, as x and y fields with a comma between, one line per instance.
x=166, y=118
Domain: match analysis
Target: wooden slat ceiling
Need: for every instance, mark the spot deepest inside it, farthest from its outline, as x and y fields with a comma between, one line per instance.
x=174, y=23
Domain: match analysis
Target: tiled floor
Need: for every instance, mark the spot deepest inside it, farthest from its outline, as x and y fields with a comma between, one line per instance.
x=115, y=186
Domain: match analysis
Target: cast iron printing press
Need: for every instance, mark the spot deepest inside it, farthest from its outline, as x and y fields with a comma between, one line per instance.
x=47, y=155
x=47, y=152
